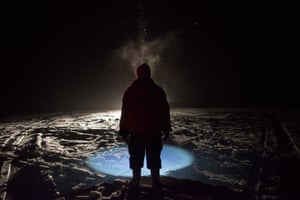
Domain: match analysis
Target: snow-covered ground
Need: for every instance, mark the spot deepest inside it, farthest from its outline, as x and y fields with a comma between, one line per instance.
x=232, y=148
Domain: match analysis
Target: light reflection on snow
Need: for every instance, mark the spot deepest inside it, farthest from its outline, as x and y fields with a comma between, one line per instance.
x=114, y=161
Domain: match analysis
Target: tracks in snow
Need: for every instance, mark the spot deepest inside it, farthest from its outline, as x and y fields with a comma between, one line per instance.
x=276, y=161
x=9, y=145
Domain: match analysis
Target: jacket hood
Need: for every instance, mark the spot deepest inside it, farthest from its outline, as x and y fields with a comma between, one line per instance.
x=143, y=71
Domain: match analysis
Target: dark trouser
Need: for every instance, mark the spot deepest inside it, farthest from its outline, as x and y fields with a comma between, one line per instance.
x=141, y=144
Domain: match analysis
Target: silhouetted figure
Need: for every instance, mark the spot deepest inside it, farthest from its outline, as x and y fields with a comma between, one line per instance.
x=145, y=121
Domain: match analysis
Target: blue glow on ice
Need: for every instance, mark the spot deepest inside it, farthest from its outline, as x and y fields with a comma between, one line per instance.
x=115, y=161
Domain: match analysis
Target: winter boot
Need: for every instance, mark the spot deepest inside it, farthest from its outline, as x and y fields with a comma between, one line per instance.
x=156, y=185
x=134, y=187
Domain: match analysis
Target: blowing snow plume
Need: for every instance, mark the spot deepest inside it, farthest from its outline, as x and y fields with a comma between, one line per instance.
x=136, y=53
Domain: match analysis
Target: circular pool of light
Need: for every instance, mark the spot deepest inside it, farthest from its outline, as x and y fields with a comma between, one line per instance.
x=115, y=161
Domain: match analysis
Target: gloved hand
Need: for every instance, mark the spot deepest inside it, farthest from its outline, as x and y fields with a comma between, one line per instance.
x=165, y=135
x=125, y=135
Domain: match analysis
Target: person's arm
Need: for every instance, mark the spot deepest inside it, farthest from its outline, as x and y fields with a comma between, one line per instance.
x=123, y=132
x=166, y=114
x=166, y=128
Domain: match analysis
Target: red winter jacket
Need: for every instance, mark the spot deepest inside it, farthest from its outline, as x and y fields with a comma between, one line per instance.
x=145, y=109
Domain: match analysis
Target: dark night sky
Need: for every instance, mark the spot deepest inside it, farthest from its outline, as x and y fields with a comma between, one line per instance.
x=65, y=55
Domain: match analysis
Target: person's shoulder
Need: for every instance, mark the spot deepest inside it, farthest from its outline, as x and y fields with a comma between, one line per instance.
x=127, y=90
x=159, y=88
x=131, y=88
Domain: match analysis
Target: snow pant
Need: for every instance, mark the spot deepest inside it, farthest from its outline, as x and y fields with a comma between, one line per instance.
x=139, y=145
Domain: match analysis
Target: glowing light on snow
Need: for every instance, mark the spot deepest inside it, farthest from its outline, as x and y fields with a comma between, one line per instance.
x=114, y=161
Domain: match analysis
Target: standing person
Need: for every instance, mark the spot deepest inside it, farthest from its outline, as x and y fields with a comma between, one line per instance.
x=145, y=121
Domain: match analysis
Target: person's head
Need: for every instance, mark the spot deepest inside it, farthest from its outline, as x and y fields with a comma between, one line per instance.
x=143, y=71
